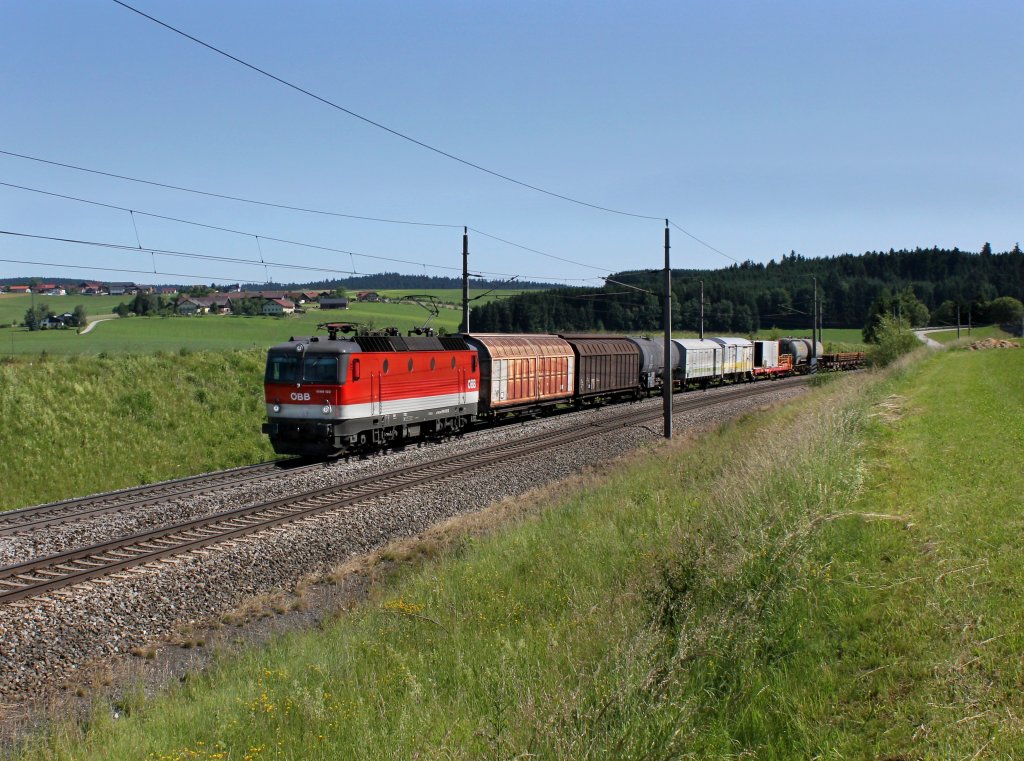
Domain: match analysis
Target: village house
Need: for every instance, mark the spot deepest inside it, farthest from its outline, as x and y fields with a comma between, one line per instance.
x=58, y=321
x=122, y=289
x=278, y=307
x=368, y=296
x=91, y=288
x=18, y=289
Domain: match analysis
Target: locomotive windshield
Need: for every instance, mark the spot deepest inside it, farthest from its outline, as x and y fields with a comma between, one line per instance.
x=283, y=368
x=308, y=368
x=320, y=368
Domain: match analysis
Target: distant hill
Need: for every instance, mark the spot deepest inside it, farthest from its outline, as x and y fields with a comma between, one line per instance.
x=748, y=297
x=379, y=281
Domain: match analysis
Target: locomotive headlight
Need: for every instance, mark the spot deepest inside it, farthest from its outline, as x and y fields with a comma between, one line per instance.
x=276, y=408
x=327, y=409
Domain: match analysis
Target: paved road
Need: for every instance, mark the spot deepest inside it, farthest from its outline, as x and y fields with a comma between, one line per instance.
x=931, y=343
x=93, y=323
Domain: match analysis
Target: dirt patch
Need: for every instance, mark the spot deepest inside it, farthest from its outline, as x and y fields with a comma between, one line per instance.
x=994, y=343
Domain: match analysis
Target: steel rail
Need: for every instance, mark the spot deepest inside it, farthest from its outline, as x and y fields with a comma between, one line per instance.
x=42, y=575
x=40, y=516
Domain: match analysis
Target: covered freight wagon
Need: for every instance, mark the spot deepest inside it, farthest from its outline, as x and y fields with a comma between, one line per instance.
x=700, y=361
x=737, y=356
x=606, y=366
x=518, y=371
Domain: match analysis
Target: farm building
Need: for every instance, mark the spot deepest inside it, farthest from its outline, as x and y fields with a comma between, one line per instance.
x=277, y=307
x=334, y=303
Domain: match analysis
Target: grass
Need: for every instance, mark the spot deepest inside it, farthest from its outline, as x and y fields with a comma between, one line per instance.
x=210, y=332
x=77, y=425
x=976, y=334
x=13, y=306
x=852, y=591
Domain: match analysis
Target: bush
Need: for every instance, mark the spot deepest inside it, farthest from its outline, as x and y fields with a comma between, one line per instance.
x=892, y=339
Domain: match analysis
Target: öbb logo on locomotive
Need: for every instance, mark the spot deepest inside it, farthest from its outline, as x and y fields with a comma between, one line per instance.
x=374, y=390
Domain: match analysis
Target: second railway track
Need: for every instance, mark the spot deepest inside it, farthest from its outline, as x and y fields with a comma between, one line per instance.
x=45, y=575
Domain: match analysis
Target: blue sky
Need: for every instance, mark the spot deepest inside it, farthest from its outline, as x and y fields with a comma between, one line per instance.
x=760, y=127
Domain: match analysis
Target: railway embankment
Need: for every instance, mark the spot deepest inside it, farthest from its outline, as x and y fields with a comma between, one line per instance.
x=79, y=425
x=835, y=576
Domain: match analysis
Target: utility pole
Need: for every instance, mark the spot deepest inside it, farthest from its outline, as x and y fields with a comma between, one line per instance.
x=701, y=310
x=814, y=324
x=465, y=279
x=666, y=385
x=968, y=320
x=958, y=320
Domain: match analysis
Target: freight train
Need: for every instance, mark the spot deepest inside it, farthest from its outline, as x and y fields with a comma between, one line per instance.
x=331, y=395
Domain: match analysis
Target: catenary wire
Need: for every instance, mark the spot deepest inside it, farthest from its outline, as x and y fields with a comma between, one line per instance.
x=367, y=120
x=234, y=260
x=271, y=205
x=224, y=196
x=691, y=235
x=223, y=229
x=115, y=207
x=92, y=268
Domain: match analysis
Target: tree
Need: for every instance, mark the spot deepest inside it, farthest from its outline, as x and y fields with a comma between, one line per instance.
x=904, y=307
x=1005, y=309
x=80, y=319
x=35, y=315
x=892, y=340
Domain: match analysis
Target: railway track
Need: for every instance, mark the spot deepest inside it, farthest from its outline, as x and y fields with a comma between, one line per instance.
x=41, y=516
x=41, y=576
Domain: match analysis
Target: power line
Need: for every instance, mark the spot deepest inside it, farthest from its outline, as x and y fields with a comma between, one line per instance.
x=691, y=235
x=234, y=260
x=223, y=229
x=176, y=254
x=224, y=196
x=258, y=236
x=371, y=122
x=275, y=206
x=91, y=268
x=537, y=251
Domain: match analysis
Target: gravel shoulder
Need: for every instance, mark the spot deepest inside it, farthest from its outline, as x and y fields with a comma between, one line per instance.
x=63, y=651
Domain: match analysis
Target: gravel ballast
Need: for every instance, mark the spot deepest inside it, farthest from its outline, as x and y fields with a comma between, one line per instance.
x=46, y=641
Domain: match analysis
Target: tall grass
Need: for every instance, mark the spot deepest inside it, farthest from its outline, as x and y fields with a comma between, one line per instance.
x=835, y=579
x=651, y=615
x=77, y=425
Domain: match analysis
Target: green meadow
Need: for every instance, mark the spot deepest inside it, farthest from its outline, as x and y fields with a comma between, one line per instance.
x=974, y=334
x=854, y=589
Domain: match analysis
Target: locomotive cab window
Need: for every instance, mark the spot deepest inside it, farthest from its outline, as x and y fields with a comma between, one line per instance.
x=283, y=368
x=355, y=369
x=320, y=368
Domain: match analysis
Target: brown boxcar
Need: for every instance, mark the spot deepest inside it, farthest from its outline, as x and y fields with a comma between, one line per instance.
x=606, y=366
x=522, y=371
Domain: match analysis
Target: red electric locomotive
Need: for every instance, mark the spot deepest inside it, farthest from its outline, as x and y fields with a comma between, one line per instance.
x=331, y=395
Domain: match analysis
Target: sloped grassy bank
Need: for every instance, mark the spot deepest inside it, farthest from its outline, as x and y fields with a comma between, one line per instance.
x=77, y=425
x=792, y=586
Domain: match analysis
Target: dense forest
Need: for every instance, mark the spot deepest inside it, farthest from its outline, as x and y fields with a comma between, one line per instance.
x=747, y=297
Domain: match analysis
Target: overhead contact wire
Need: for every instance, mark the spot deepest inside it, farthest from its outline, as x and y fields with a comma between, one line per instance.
x=371, y=122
